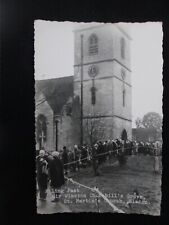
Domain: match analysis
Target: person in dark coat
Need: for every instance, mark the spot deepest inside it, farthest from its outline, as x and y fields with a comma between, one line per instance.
x=121, y=153
x=42, y=174
x=71, y=159
x=100, y=150
x=84, y=156
x=95, y=163
x=114, y=148
x=76, y=152
x=105, y=150
x=56, y=175
x=65, y=159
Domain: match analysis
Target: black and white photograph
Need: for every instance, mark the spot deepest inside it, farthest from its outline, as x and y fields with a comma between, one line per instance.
x=98, y=117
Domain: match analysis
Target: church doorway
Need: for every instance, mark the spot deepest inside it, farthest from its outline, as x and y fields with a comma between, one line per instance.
x=124, y=135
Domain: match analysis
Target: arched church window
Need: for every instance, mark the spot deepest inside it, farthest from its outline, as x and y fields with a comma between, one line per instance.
x=93, y=95
x=123, y=46
x=124, y=97
x=41, y=130
x=93, y=44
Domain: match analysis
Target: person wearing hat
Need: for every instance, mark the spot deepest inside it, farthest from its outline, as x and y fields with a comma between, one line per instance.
x=65, y=159
x=156, y=161
x=76, y=153
x=56, y=175
x=42, y=174
x=84, y=156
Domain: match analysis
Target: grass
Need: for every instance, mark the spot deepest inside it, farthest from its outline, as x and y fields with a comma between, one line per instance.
x=138, y=174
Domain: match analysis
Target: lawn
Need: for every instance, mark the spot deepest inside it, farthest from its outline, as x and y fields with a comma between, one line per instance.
x=117, y=183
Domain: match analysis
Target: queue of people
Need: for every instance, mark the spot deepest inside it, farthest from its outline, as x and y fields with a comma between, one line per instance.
x=51, y=168
x=100, y=152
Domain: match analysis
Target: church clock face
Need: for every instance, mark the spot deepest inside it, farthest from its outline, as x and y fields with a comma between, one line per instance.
x=93, y=71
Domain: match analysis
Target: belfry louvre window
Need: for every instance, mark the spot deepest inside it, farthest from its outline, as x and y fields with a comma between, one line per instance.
x=124, y=97
x=93, y=44
x=123, y=74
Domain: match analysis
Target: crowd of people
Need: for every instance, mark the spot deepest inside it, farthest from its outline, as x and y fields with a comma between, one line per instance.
x=53, y=167
x=82, y=156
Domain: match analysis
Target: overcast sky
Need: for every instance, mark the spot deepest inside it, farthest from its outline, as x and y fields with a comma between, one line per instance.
x=54, y=57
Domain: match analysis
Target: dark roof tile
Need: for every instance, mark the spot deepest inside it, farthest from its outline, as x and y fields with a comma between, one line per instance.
x=57, y=91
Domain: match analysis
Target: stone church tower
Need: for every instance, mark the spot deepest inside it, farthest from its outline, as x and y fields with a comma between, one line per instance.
x=102, y=61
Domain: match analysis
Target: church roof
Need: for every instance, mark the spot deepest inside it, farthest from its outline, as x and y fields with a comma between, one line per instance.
x=56, y=91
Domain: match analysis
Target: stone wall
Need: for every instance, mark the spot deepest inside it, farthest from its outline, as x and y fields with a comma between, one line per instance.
x=104, y=92
x=118, y=108
x=120, y=125
x=69, y=127
x=109, y=45
x=109, y=82
x=111, y=128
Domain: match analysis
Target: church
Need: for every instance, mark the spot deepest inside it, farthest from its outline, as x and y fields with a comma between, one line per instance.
x=93, y=104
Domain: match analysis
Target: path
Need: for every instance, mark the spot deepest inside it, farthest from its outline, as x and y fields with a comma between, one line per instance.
x=48, y=207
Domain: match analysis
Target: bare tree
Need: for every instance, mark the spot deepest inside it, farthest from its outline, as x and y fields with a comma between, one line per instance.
x=94, y=128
